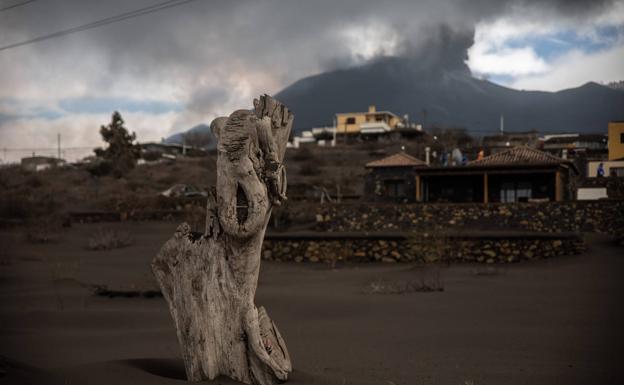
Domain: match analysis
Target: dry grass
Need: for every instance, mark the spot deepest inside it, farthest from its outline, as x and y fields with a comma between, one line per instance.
x=402, y=287
x=43, y=231
x=107, y=239
x=424, y=284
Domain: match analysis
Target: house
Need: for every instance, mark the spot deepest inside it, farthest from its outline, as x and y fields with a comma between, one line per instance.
x=40, y=163
x=393, y=179
x=366, y=123
x=570, y=144
x=614, y=166
x=610, y=168
x=616, y=140
x=507, y=140
x=518, y=174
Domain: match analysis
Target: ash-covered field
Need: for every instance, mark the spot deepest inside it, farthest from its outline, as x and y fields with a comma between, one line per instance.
x=72, y=315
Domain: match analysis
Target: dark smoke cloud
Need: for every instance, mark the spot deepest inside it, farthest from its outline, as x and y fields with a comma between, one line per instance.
x=213, y=52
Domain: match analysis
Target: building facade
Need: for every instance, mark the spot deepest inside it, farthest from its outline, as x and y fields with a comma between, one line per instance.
x=356, y=123
x=616, y=140
x=40, y=163
x=393, y=179
x=520, y=174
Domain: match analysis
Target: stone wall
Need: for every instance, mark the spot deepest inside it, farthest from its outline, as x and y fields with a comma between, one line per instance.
x=581, y=216
x=487, y=248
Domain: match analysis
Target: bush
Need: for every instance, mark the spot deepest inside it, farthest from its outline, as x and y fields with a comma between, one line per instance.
x=151, y=156
x=107, y=239
x=34, y=181
x=43, y=230
x=14, y=206
x=100, y=168
x=403, y=287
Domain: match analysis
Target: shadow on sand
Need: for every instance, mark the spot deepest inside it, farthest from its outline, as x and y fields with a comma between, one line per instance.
x=174, y=369
x=162, y=367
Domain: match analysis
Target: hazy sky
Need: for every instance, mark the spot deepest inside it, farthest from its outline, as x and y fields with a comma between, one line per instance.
x=173, y=69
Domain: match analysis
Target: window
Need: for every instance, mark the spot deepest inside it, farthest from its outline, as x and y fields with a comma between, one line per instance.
x=351, y=120
x=395, y=188
x=523, y=191
x=508, y=192
x=622, y=137
x=616, y=171
x=516, y=192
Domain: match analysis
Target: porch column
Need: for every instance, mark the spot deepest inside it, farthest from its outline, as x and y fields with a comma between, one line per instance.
x=558, y=190
x=418, y=194
x=485, y=188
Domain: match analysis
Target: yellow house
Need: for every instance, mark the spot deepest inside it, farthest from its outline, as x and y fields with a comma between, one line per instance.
x=616, y=140
x=373, y=121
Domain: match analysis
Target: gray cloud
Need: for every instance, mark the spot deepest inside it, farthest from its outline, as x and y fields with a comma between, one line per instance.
x=213, y=53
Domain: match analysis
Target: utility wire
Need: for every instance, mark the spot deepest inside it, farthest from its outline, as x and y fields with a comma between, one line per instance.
x=45, y=149
x=102, y=22
x=16, y=5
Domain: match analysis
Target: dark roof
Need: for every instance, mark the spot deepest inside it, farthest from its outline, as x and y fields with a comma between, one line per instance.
x=400, y=159
x=521, y=155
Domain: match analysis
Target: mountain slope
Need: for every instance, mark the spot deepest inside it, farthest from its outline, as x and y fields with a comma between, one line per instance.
x=203, y=129
x=451, y=97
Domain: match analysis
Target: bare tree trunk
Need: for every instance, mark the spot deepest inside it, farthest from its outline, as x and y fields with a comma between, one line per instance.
x=209, y=280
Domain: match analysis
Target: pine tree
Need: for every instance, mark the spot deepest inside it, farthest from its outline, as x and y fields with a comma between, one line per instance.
x=122, y=153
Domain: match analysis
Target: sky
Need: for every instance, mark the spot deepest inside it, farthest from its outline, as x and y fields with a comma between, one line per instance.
x=169, y=70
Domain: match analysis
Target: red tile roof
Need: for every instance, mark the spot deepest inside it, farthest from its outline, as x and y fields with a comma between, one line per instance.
x=521, y=155
x=400, y=159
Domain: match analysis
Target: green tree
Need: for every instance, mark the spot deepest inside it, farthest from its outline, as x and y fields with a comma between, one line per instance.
x=121, y=153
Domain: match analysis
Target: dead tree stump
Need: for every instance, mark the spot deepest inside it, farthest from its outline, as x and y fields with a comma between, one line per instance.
x=209, y=280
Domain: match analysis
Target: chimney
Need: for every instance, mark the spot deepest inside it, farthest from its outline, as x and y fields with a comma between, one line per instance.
x=372, y=109
x=427, y=153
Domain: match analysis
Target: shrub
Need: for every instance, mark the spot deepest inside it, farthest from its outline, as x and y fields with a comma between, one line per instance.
x=14, y=206
x=151, y=156
x=34, y=181
x=107, y=239
x=44, y=230
x=403, y=287
x=100, y=168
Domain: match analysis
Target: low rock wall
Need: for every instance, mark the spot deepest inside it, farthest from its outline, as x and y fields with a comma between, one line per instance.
x=580, y=216
x=492, y=248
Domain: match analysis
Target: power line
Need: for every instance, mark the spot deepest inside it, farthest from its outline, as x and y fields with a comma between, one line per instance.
x=7, y=149
x=102, y=22
x=16, y=5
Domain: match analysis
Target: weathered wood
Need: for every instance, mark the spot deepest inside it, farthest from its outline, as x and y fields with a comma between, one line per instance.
x=210, y=280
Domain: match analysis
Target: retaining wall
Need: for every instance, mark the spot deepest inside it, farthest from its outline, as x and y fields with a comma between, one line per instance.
x=579, y=216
